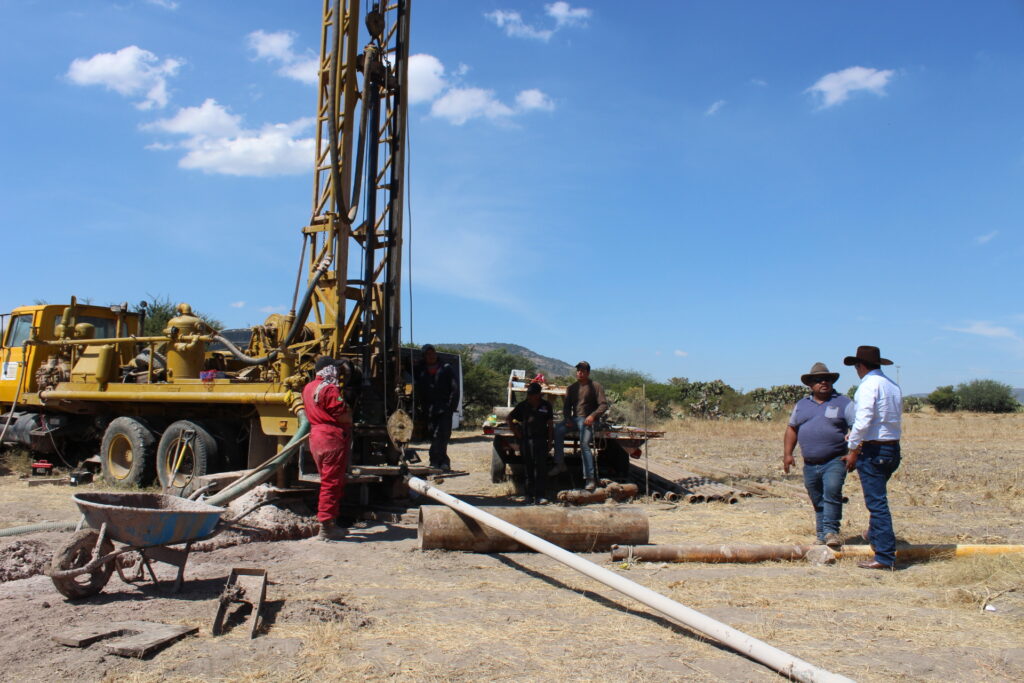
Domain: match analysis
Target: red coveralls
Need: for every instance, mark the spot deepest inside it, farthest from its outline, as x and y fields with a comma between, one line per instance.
x=329, y=440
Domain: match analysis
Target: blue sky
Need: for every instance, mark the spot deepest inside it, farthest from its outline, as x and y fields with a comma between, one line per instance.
x=708, y=189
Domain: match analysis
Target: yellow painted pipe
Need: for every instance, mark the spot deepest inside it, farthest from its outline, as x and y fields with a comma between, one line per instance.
x=166, y=396
x=762, y=553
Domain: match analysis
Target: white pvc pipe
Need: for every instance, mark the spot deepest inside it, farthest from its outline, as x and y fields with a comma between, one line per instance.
x=784, y=663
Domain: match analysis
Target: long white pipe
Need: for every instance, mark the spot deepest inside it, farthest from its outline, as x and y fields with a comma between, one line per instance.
x=784, y=663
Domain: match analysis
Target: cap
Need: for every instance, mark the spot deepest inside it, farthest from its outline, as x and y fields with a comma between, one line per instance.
x=427, y=347
x=322, y=362
x=583, y=365
x=534, y=388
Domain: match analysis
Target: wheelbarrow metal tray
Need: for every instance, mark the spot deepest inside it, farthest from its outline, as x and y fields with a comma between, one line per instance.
x=148, y=519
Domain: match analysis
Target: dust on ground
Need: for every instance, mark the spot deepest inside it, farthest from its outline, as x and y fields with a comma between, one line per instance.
x=378, y=608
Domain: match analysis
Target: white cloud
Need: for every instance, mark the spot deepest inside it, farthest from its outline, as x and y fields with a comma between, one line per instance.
x=237, y=304
x=131, y=71
x=986, y=329
x=515, y=27
x=457, y=104
x=166, y=4
x=562, y=12
x=426, y=78
x=985, y=239
x=836, y=87
x=207, y=120
x=277, y=47
x=216, y=142
x=715, y=106
x=759, y=82
x=565, y=15
x=680, y=353
x=533, y=99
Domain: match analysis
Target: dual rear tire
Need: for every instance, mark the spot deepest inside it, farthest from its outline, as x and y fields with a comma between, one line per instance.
x=131, y=456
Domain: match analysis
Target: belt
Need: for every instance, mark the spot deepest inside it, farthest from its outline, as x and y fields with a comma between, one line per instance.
x=883, y=442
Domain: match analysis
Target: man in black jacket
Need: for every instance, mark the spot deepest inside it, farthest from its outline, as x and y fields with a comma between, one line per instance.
x=584, y=403
x=531, y=423
x=437, y=393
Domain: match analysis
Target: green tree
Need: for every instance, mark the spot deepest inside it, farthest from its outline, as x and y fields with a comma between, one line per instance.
x=944, y=399
x=160, y=309
x=853, y=390
x=504, y=362
x=987, y=396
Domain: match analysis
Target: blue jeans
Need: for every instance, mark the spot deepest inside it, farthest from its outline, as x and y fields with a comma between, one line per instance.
x=875, y=465
x=824, y=484
x=586, y=434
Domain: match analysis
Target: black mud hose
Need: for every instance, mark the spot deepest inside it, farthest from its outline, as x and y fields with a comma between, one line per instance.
x=127, y=453
x=240, y=355
x=499, y=472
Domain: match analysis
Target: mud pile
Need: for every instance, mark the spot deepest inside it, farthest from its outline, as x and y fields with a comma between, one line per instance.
x=21, y=559
x=278, y=518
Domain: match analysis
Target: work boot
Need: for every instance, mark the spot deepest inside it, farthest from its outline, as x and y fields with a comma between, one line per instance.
x=330, y=531
x=591, y=484
x=543, y=501
x=833, y=540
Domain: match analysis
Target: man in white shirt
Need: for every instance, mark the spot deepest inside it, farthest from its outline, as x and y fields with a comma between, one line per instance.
x=874, y=447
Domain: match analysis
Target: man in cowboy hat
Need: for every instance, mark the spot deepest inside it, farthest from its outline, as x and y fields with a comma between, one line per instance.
x=818, y=423
x=874, y=444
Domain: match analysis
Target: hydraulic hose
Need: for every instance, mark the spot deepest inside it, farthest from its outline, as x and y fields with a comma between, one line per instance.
x=300, y=322
x=240, y=355
x=43, y=526
x=266, y=470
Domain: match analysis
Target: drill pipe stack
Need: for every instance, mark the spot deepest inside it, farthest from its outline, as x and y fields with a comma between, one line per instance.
x=674, y=484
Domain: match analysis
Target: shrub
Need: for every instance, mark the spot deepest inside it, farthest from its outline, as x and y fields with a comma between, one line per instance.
x=987, y=396
x=944, y=399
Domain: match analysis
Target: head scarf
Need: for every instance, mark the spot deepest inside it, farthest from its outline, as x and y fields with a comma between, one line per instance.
x=327, y=376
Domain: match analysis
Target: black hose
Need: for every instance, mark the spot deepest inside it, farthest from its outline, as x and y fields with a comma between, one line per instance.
x=240, y=355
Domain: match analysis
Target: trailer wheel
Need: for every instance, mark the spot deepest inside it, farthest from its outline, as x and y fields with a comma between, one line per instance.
x=77, y=553
x=127, y=453
x=499, y=472
x=186, y=452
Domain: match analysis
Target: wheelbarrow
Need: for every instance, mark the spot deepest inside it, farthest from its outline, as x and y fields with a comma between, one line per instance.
x=146, y=524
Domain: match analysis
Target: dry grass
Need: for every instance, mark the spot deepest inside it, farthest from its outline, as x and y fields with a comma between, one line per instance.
x=434, y=616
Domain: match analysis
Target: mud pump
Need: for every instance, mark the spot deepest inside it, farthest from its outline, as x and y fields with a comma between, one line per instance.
x=190, y=400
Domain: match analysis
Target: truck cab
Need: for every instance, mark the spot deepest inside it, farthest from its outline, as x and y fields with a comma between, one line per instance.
x=29, y=333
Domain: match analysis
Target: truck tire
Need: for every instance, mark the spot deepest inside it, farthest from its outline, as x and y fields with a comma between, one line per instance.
x=127, y=453
x=76, y=553
x=499, y=472
x=186, y=452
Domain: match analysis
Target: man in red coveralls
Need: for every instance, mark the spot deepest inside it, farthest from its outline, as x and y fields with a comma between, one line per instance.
x=330, y=436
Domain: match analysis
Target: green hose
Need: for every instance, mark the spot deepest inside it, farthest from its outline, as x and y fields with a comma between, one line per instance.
x=43, y=526
x=264, y=471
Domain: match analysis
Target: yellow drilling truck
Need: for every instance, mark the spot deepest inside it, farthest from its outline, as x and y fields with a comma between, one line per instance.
x=189, y=401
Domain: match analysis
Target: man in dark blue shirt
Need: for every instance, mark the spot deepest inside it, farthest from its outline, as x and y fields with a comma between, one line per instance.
x=819, y=425
x=531, y=422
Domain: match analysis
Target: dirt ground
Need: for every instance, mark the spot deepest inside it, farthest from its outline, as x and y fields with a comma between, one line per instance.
x=377, y=608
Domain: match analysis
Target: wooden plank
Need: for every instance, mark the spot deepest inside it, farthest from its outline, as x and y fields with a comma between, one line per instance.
x=130, y=638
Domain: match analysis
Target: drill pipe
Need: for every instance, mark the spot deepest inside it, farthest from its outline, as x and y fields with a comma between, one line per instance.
x=581, y=529
x=755, y=649
x=764, y=553
x=617, y=492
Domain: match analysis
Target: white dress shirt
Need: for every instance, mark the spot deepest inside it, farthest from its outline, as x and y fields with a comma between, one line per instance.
x=876, y=410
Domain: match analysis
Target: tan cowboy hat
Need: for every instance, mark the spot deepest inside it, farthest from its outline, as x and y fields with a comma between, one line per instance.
x=819, y=370
x=867, y=354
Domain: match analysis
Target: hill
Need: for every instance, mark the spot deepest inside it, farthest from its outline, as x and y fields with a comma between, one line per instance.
x=551, y=367
x=1019, y=395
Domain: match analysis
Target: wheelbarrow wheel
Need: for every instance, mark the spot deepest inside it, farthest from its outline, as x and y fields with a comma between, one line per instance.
x=77, y=553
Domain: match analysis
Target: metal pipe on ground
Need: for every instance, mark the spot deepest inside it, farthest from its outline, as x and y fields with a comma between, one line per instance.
x=594, y=529
x=759, y=651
